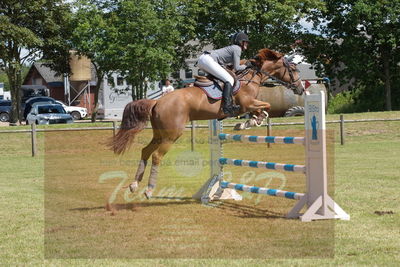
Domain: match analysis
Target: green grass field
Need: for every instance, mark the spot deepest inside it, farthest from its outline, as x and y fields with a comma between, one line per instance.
x=54, y=206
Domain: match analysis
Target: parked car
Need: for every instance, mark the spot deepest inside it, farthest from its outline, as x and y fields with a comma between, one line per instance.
x=47, y=113
x=76, y=112
x=5, y=110
x=29, y=103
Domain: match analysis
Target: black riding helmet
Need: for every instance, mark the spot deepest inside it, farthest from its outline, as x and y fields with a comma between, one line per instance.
x=239, y=37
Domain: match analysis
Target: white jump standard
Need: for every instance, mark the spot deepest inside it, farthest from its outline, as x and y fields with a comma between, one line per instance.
x=319, y=205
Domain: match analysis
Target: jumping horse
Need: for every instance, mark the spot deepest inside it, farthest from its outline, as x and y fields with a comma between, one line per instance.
x=170, y=113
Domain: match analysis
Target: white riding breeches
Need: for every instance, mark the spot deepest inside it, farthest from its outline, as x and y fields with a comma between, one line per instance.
x=208, y=64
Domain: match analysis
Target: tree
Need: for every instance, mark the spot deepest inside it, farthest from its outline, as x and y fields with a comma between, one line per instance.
x=273, y=24
x=359, y=41
x=95, y=36
x=29, y=29
x=4, y=79
x=153, y=35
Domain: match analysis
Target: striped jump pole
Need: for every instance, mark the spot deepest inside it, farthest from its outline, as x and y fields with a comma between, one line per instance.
x=262, y=164
x=319, y=205
x=262, y=139
x=262, y=190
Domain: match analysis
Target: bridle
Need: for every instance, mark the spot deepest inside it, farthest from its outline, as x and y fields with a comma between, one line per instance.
x=288, y=69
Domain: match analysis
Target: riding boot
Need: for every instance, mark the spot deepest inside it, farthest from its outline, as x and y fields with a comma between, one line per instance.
x=227, y=101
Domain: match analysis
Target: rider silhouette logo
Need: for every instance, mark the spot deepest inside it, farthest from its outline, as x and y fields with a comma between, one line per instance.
x=314, y=125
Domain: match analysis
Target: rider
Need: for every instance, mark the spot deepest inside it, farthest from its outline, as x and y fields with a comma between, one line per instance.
x=213, y=62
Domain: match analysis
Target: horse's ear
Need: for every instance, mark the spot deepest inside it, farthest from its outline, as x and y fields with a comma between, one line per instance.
x=267, y=54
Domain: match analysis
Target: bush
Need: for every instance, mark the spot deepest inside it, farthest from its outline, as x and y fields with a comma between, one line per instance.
x=342, y=103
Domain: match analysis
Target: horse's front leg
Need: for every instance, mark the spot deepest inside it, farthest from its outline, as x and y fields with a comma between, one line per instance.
x=259, y=111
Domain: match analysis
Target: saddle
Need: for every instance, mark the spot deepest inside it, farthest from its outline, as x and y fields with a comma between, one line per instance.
x=209, y=80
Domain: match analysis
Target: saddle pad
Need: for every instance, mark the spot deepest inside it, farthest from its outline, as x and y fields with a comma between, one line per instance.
x=214, y=91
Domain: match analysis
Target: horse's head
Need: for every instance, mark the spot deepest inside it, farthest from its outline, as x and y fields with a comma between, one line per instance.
x=274, y=65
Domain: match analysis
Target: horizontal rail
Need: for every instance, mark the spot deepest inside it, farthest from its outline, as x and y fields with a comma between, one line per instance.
x=189, y=126
x=262, y=139
x=15, y=131
x=330, y=122
x=59, y=130
x=262, y=164
x=80, y=129
x=262, y=190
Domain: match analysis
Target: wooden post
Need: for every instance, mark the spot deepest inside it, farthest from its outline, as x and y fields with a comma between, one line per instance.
x=114, y=127
x=114, y=131
x=33, y=139
x=341, y=130
x=193, y=135
x=269, y=129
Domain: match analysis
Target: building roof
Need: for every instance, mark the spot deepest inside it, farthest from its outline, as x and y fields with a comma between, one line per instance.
x=51, y=76
x=48, y=74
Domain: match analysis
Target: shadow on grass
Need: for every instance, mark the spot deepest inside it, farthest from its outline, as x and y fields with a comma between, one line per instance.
x=248, y=211
x=142, y=204
x=234, y=209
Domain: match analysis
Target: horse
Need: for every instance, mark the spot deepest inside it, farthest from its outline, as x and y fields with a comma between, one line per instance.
x=169, y=114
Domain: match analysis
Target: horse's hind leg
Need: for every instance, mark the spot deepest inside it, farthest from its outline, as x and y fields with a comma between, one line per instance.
x=157, y=157
x=146, y=153
x=156, y=161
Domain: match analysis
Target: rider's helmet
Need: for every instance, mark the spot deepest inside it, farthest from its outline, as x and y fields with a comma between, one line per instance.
x=239, y=37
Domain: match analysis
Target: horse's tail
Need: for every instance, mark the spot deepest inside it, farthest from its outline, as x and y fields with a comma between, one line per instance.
x=134, y=119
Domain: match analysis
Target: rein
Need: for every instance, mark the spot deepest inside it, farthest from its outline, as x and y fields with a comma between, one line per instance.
x=243, y=73
x=257, y=71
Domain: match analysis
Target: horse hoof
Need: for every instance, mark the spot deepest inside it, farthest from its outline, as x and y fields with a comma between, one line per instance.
x=133, y=186
x=148, y=193
x=240, y=126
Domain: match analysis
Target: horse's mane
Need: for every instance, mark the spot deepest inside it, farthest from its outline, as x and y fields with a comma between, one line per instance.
x=267, y=54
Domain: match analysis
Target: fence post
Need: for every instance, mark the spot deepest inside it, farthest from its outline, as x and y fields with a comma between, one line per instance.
x=269, y=129
x=193, y=135
x=114, y=132
x=33, y=139
x=114, y=127
x=341, y=130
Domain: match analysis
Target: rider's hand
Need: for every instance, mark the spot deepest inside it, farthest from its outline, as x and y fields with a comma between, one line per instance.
x=249, y=64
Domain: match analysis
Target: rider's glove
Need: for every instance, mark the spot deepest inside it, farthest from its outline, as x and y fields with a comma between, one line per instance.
x=249, y=64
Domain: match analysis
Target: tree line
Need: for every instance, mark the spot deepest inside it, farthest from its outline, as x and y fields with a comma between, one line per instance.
x=145, y=40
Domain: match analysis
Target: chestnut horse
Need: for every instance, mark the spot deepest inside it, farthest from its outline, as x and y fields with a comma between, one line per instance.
x=170, y=113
